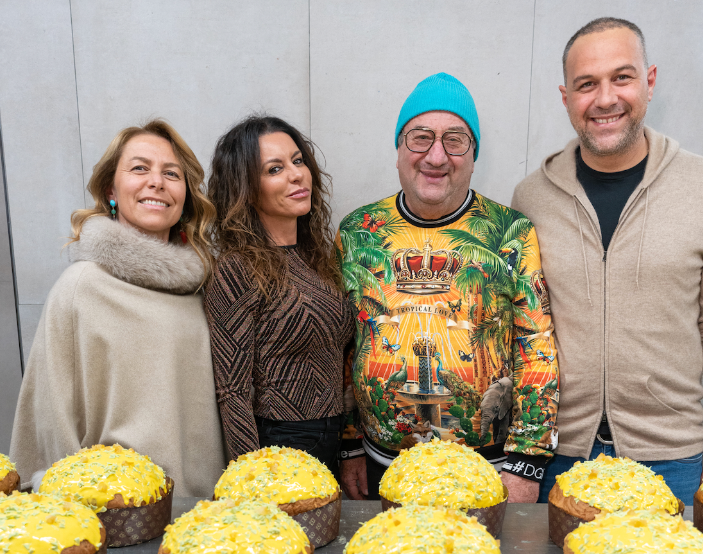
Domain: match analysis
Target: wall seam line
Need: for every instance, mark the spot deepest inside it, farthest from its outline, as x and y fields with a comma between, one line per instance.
x=78, y=109
x=529, y=97
x=3, y=171
x=309, y=71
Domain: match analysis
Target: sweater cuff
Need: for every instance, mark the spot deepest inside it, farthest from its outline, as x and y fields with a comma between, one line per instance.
x=351, y=448
x=528, y=467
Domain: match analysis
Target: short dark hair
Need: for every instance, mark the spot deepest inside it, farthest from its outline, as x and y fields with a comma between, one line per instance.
x=598, y=26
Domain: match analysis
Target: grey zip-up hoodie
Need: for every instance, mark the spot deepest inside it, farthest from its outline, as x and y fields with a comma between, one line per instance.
x=628, y=324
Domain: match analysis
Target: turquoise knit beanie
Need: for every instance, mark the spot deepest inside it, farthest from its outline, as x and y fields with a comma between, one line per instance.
x=440, y=92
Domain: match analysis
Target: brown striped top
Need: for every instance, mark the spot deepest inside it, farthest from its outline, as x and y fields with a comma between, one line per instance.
x=279, y=359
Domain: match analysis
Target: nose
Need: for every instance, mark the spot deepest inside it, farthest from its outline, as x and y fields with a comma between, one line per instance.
x=606, y=95
x=436, y=155
x=156, y=180
x=296, y=173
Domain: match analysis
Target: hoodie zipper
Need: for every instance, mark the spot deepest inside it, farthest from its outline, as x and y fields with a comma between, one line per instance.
x=605, y=287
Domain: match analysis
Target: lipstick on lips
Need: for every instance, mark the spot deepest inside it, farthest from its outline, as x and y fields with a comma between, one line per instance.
x=300, y=193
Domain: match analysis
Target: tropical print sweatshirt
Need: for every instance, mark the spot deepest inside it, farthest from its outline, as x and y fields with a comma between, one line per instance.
x=447, y=312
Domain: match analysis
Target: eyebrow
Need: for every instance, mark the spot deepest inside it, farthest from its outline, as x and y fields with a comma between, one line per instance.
x=274, y=160
x=148, y=161
x=453, y=128
x=616, y=70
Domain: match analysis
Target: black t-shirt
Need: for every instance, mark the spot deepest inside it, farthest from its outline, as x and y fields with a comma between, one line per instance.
x=608, y=192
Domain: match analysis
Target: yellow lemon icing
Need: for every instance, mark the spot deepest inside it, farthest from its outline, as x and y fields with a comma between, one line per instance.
x=442, y=473
x=422, y=529
x=39, y=523
x=6, y=466
x=636, y=532
x=234, y=526
x=279, y=475
x=93, y=476
x=613, y=484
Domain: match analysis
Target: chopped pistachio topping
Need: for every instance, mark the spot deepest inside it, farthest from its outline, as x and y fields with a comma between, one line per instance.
x=94, y=476
x=235, y=526
x=279, y=475
x=612, y=484
x=413, y=529
x=32, y=523
x=442, y=473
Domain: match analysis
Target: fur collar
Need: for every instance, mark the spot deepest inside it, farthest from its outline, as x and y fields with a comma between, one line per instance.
x=136, y=258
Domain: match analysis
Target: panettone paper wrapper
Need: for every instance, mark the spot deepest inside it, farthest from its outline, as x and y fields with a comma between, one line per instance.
x=491, y=517
x=127, y=526
x=698, y=510
x=321, y=525
x=562, y=523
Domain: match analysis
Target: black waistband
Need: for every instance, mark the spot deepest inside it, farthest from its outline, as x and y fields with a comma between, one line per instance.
x=331, y=423
x=604, y=428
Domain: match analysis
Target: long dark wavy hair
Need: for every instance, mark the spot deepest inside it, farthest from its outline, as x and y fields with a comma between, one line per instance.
x=234, y=188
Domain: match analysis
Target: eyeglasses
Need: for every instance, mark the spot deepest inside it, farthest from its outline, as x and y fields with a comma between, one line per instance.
x=455, y=143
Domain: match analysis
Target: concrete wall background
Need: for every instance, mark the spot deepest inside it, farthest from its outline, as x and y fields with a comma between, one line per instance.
x=74, y=72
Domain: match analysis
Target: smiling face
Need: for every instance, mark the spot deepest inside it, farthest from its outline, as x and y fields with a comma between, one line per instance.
x=435, y=184
x=285, y=188
x=607, y=91
x=149, y=186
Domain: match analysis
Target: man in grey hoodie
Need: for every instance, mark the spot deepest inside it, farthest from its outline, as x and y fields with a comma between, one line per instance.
x=618, y=215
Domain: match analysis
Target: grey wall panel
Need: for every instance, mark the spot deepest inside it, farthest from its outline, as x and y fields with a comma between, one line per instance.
x=201, y=65
x=366, y=58
x=10, y=368
x=10, y=362
x=672, y=32
x=40, y=130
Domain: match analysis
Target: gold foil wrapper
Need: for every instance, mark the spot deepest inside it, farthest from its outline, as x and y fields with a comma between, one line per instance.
x=491, y=517
x=127, y=526
x=561, y=523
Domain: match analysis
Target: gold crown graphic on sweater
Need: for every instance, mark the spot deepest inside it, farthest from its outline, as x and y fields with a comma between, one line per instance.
x=425, y=271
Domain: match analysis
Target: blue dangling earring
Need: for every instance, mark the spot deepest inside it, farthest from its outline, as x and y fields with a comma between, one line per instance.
x=113, y=211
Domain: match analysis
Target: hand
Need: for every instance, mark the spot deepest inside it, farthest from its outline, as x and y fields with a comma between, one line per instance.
x=353, y=476
x=520, y=489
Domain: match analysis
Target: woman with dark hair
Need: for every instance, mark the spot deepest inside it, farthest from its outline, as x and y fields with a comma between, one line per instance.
x=278, y=321
x=122, y=351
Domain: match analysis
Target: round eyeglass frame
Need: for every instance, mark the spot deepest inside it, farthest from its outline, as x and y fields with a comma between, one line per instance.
x=405, y=140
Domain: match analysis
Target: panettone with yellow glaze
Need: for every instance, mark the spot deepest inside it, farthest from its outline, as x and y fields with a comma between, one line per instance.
x=415, y=529
x=611, y=484
x=442, y=473
x=9, y=479
x=38, y=523
x=106, y=477
x=235, y=526
x=635, y=532
x=291, y=478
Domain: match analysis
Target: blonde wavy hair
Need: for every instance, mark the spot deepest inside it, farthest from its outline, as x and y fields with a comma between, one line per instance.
x=198, y=211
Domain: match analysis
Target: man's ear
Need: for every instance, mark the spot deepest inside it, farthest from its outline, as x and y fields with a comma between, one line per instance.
x=651, y=80
x=562, y=89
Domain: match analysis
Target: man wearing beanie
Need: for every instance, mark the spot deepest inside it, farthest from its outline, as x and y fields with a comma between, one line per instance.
x=454, y=337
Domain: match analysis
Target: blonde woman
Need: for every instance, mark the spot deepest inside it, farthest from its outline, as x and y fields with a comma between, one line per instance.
x=122, y=353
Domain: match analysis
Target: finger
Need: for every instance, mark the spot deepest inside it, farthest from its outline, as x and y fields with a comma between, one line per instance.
x=351, y=490
x=363, y=480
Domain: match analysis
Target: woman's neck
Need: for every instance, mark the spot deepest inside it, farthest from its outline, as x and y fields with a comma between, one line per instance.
x=283, y=232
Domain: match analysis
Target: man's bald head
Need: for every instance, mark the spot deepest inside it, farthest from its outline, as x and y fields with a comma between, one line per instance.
x=598, y=26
